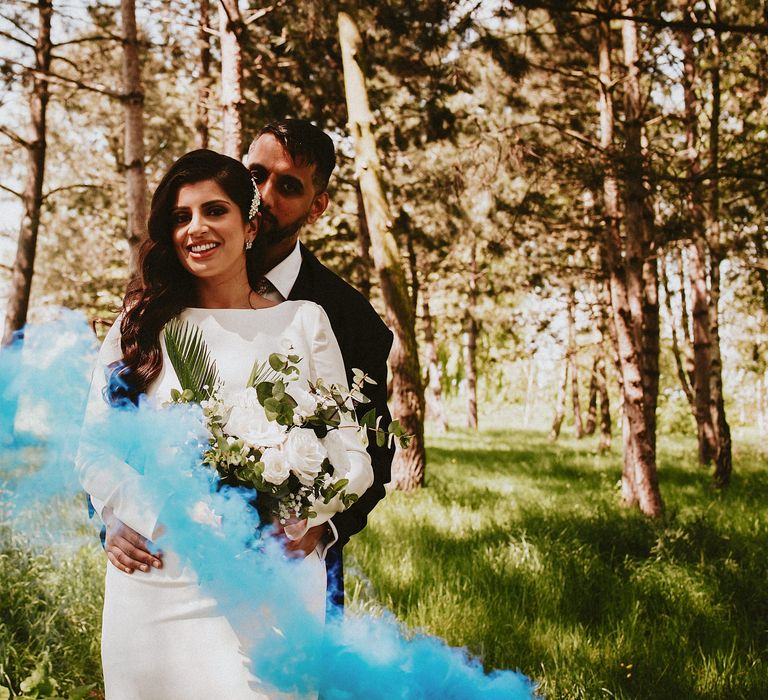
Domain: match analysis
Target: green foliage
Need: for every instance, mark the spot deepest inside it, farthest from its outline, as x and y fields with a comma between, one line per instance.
x=191, y=361
x=520, y=551
x=50, y=615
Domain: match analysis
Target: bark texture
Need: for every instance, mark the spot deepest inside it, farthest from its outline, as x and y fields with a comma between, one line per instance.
x=231, y=27
x=574, y=367
x=591, y=423
x=705, y=247
x=409, y=465
x=32, y=195
x=562, y=393
x=435, y=406
x=625, y=259
x=470, y=341
x=364, y=246
x=723, y=452
x=133, y=107
x=203, y=75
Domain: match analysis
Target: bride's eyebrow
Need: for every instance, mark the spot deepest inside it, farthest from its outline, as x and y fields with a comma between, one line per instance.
x=204, y=204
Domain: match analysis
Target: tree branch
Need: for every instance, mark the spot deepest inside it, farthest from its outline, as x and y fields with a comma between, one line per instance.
x=18, y=26
x=63, y=80
x=83, y=185
x=14, y=137
x=258, y=14
x=84, y=39
x=12, y=191
x=758, y=29
x=568, y=132
x=17, y=40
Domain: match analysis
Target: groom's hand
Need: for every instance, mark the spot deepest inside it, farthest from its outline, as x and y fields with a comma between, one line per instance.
x=306, y=545
x=126, y=548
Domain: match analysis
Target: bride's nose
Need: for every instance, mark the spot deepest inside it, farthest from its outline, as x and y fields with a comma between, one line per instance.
x=196, y=225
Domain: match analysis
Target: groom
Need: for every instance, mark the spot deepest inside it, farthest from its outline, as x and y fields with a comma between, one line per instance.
x=291, y=162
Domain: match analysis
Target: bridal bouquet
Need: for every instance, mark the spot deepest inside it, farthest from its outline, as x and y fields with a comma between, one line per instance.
x=275, y=435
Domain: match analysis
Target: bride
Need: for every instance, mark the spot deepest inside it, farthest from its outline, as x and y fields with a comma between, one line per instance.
x=162, y=637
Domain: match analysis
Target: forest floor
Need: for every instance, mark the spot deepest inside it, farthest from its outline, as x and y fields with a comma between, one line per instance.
x=516, y=549
x=519, y=550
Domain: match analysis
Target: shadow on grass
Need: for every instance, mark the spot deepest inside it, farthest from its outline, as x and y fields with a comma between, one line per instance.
x=575, y=590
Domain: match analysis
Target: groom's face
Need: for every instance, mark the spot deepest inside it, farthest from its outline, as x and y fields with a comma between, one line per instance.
x=289, y=198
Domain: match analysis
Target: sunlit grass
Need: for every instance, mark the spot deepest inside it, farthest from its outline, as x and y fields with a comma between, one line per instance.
x=519, y=550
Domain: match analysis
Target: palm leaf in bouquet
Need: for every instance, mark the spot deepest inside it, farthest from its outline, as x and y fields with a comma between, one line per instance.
x=191, y=360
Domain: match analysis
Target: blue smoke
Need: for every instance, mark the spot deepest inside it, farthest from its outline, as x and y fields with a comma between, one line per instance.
x=44, y=383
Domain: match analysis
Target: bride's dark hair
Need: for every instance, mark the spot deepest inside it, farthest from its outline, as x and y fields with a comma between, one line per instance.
x=163, y=286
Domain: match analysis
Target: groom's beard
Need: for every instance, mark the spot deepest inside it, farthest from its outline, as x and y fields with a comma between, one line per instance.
x=273, y=233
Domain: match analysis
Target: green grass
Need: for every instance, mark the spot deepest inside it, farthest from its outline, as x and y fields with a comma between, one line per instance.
x=516, y=549
x=520, y=551
x=50, y=618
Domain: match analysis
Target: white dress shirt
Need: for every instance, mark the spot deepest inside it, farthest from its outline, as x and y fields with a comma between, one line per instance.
x=283, y=275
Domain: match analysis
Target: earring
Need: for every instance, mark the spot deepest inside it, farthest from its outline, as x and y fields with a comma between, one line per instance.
x=249, y=244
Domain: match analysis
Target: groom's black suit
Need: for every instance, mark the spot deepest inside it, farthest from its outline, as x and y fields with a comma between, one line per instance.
x=365, y=343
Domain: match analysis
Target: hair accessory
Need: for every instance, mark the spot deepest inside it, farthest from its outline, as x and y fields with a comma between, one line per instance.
x=254, y=202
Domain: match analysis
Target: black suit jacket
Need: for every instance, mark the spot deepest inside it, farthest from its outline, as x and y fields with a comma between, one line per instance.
x=365, y=343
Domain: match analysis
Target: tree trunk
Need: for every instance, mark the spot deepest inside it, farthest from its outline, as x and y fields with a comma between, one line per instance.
x=530, y=392
x=562, y=393
x=470, y=341
x=723, y=455
x=230, y=30
x=32, y=196
x=573, y=362
x=204, y=75
x=605, y=405
x=409, y=465
x=682, y=374
x=639, y=479
x=413, y=266
x=591, y=424
x=364, y=246
x=434, y=398
x=601, y=379
x=133, y=101
x=723, y=452
x=697, y=252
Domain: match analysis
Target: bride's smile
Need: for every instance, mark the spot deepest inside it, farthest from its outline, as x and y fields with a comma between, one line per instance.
x=209, y=232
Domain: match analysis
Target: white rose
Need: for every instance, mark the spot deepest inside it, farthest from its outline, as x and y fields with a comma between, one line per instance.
x=248, y=421
x=304, y=453
x=337, y=454
x=276, y=469
x=306, y=403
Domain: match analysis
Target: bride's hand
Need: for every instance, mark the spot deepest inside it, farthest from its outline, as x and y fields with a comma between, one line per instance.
x=126, y=548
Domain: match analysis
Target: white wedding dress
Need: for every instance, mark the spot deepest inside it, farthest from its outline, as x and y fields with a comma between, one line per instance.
x=163, y=638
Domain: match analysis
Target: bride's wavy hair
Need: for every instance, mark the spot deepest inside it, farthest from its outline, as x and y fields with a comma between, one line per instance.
x=163, y=286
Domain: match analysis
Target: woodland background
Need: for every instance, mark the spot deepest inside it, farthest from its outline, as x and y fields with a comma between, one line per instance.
x=559, y=207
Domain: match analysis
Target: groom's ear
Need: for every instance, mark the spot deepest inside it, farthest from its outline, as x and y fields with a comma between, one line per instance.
x=318, y=206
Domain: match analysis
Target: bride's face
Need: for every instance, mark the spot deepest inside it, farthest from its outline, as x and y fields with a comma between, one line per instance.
x=209, y=233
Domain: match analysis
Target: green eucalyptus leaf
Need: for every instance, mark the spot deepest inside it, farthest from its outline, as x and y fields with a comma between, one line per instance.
x=264, y=391
x=369, y=419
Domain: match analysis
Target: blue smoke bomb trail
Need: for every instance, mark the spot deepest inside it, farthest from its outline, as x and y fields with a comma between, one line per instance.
x=43, y=388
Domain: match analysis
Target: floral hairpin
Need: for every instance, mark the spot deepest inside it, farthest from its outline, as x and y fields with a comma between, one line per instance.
x=255, y=202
